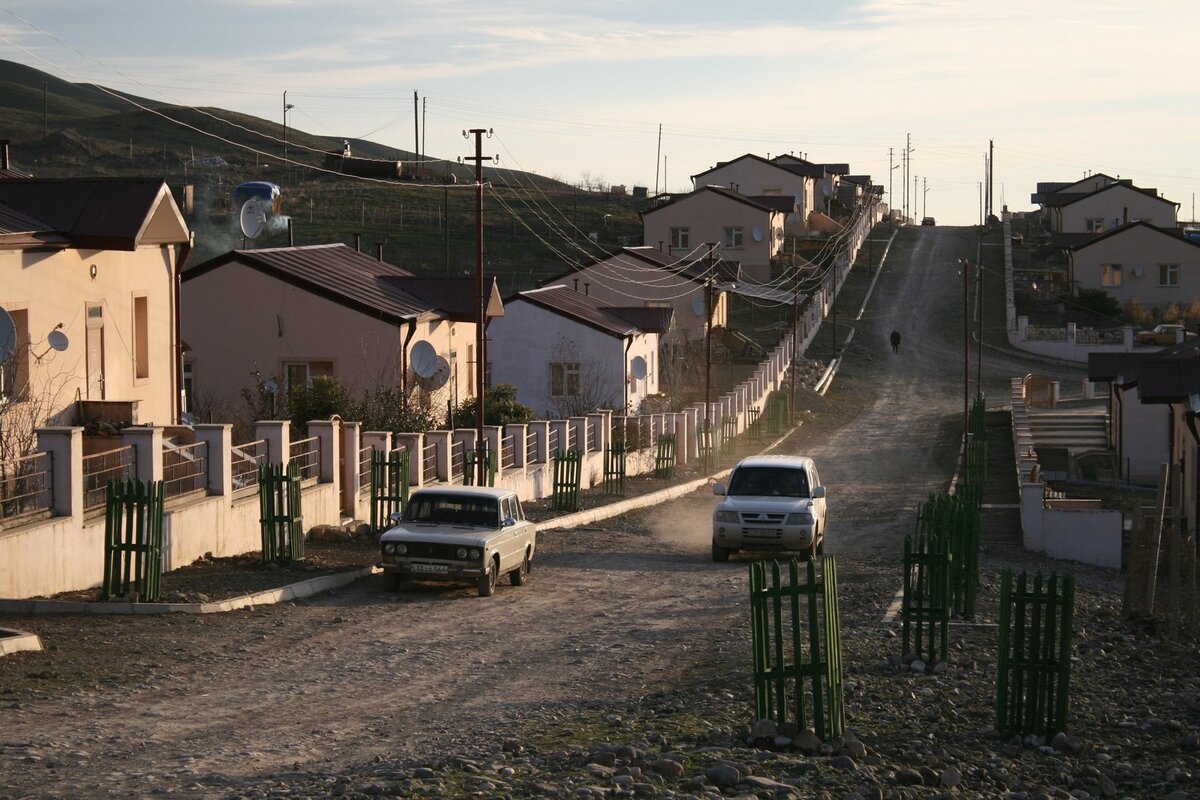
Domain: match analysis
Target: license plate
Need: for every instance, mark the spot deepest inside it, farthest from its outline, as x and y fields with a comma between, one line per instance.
x=432, y=569
x=772, y=532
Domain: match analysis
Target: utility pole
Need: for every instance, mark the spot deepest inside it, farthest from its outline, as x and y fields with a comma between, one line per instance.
x=991, y=177
x=481, y=455
x=424, y=130
x=979, y=345
x=416, y=134
x=708, y=292
x=657, y=158
x=891, y=207
x=46, y=118
x=924, y=193
x=908, y=150
x=795, y=342
x=966, y=265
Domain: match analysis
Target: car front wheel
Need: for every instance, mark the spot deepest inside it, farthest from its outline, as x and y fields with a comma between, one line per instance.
x=520, y=575
x=720, y=554
x=487, y=581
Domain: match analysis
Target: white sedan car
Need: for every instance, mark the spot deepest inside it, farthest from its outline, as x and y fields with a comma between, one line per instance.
x=771, y=503
x=460, y=534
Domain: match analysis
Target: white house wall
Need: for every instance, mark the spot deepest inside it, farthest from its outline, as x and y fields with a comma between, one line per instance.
x=1145, y=438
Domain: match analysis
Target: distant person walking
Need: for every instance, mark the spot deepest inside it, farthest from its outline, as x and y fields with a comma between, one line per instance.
x=895, y=341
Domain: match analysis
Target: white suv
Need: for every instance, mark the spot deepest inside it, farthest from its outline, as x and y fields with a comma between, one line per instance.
x=770, y=503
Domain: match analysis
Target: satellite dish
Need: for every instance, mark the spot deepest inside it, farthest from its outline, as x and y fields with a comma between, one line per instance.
x=638, y=367
x=424, y=359
x=440, y=375
x=757, y=233
x=58, y=341
x=698, y=306
x=827, y=190
x=8, y=335
x=252, y=218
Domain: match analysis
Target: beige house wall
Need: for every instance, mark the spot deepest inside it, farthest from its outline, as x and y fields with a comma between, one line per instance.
x=238, y=321
x=751, y=177
x=47, y=288
x=706, y=215
x=1140, y=249
x=1116, y=207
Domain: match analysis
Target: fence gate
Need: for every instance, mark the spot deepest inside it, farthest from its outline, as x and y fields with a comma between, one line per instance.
x=614, y=469
x=133, y=536
x=280, y=514
x=925, y=609
x=664, y=459
x=389, y=487
x=790, y=678
x=1034, y=675
x=567, y=475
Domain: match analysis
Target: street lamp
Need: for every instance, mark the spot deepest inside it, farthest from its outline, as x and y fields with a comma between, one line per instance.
x=286, y=108
x=924, y=191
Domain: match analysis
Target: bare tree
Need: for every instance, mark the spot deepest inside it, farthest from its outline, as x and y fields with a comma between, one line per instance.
x=580, y=382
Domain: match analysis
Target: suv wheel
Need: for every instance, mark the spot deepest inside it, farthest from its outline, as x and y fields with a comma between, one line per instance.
x=720, y=554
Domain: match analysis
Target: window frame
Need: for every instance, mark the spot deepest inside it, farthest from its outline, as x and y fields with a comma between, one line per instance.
x=1112, y=276
x=565, y=373
x=734, y=237
x=681, y=237
x=1168, y=275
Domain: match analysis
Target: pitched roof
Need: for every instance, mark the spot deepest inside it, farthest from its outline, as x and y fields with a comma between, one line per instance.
x=692, y=267
x=753, y=157
x=720, y=191
x=1132, y=366
x=22, y=230
x=1174, y=233
x=777, y=202
x=653, y=319
x=104, y=213
x=1062, y=200
x=456, y=298
x=1168, y=380
x=336, y=272
x=587, y=310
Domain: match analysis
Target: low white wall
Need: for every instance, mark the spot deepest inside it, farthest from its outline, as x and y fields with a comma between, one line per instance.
x=190, y=530
x=1092, y=536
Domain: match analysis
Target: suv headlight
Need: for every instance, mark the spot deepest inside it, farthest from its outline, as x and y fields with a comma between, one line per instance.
x=730, y=517
x=799, y=518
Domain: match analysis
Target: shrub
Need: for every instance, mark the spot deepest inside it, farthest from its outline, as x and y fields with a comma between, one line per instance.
x=500, y=407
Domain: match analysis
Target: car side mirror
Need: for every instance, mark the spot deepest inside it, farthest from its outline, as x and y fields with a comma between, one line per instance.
x=818, y=492
x=508, y=522
x=719, y=489
x=396, y=516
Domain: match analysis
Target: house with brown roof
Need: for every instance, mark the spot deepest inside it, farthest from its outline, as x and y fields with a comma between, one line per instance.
x=569, y=353
x=755, y=176
x=646, y=276
x=1138, y=261
x=746, y=229
x=88, y=272
x=287, y=315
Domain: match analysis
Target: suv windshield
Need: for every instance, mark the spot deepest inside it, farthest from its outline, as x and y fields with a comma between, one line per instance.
x=448, y=509
x=769, y=482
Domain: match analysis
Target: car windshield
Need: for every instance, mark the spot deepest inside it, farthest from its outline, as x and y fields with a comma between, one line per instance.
x=449, y=509
x=769, y=482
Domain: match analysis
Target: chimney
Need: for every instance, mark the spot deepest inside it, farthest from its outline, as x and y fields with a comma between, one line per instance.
x=358, y=242
x=379, y=251
x=577, y=284
x=3, y=153
x=585, y=288
x=291, y=239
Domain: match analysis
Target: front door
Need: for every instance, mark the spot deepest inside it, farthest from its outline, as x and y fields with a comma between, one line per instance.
x=95, y=351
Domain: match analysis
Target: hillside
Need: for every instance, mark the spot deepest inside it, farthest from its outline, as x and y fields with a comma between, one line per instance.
x=534, y=226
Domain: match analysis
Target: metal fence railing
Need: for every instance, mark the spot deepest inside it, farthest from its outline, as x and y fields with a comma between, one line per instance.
x=531, y=447
x=306, y=455
x=551, y=443
x=570, y=444
x=185, y=469
x=246, y=460
x=590, y=428
x=429, y=462
x=26, y=487
x=364, y=468
x=100, y=468
x=508, y=455
x=457, y=462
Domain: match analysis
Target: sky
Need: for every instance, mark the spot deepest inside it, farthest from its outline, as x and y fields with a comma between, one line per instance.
x=579, y=90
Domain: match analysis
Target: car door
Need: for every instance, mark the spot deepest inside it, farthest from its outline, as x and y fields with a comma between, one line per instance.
x=507, y=545
x=814, y=480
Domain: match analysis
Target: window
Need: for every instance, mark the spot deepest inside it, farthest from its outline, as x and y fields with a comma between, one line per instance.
x=680, y=237
x=564, y=379
x=141, y=339
x=1168, y=274
x=733, y=238
x=1110, y=275
x=1094, y=225
x=301, y=374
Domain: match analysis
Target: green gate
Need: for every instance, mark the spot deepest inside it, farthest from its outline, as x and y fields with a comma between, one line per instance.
x=1034, y=675
x=133, y=538
x=614, y=469
x=664, y=458
x=782, y=618
x=925, y=609
x=567, y=475
x=389, y=487
x=706, y=445
x=280, y=514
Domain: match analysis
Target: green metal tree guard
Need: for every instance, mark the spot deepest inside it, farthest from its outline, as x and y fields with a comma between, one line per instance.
x=952, y=521
x=755, y=415
x=133, y=538
x=664, y=458
x=1033, y=680
x=280, y=515
x=389, y=487
x=925, y=608
x=469, y=470
x=614, y=469
x=567, y=475
x=729, y=431
x=789, y=677
x=706, y=445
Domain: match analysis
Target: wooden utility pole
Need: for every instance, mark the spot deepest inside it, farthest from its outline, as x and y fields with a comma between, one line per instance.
x=480, y=306
x=416, y=135
x=966, y=265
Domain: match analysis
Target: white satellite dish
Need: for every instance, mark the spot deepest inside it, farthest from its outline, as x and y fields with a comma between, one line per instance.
x=638, y=367
x=757, y=233
x=424, y=359
x=8, y=335
x=698, y=306
x=252, y=218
